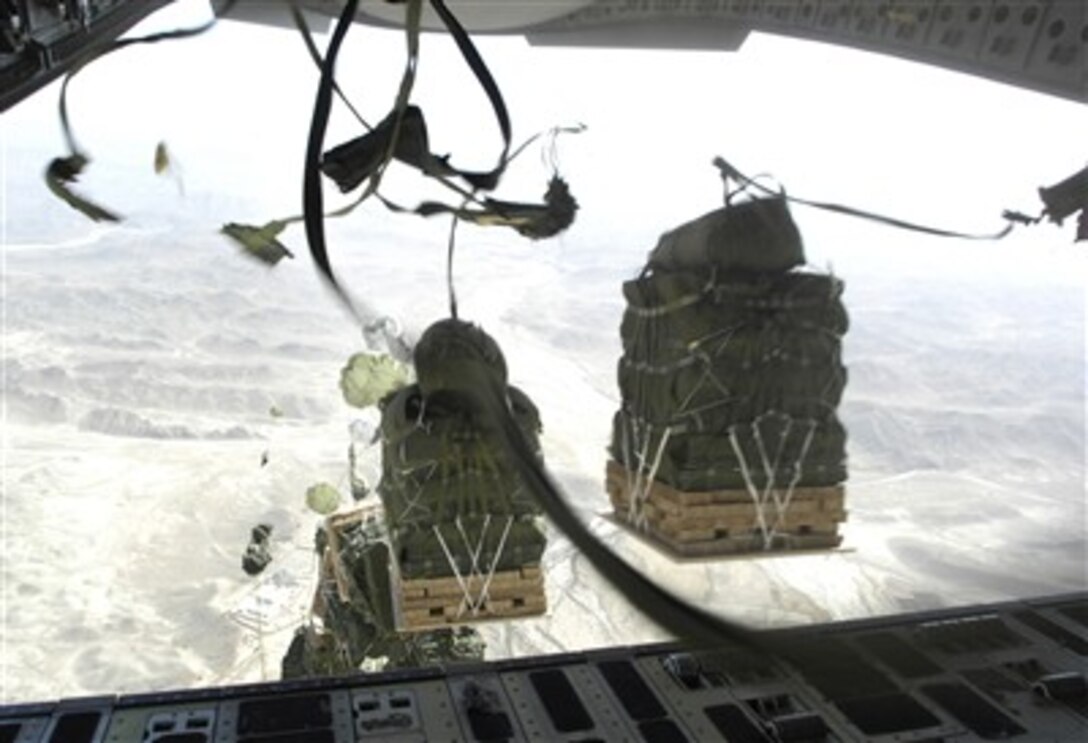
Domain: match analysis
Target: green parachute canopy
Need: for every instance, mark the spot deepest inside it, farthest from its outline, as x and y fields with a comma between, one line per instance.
x=323, y=498
x=369, y=377
x=259, y=242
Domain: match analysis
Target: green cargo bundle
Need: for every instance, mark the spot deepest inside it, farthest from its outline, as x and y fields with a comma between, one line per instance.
x=684, y=311
x=804, y=451
x=730, y=393
x=731, y=372
x=453, y=504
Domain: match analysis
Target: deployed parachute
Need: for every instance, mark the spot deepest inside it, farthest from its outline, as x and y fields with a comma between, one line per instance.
x=322, y=498
x=369, y=377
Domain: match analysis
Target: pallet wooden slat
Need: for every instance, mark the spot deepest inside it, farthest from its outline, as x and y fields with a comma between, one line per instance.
x=435, y=602
x=725, y=521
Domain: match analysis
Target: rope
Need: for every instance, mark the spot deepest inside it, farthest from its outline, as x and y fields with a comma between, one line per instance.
x=641, y=457
x=474, y=554
x=728, y=172
x=467, y=600
x=313, y=205
x=749, y=484
x=449, y=262
x=495, y=562
x=413, y=503
x=486, y=181
x=648, y=484
x=311, y=47
x=474, y=603
x=797, y=468
x=770, y=469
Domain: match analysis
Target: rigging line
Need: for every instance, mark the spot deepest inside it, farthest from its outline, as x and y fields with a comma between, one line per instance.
x=307, y=38
x=487, y=181
x=687, y=622
x=797, y=469
x=635, y=464
x=696, y=388
x=726, y=396
x=473, y=553
x=649, y=484
x=412, y=26
x=641, y=384
x=770, y=471
x=482, y=598
x=722, y=336
x=449, y=261
x=749, y=484
x=412, y=20
x=728, y=171
x=113, y=46
x=554, y=132
x=726, y=393
x=466, y=600
x=413, y=503
x=771, y=467
x=633, y=500
x=625, y=448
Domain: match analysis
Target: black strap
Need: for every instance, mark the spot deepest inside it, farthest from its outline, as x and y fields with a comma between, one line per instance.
x=731, y=173
x=489, y=180
x=313, y=205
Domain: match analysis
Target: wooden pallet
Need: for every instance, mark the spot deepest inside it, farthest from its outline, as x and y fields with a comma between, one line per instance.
x=426, y=603
x=725, y=522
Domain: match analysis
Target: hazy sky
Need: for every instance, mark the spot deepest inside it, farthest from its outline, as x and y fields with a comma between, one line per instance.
x=829, y=123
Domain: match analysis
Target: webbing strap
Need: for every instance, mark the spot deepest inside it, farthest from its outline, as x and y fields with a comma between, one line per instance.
x=798, y=465
x=486, y=181
x=730, y=173
x=466, y=599
x=749, y=483
x=313, y=203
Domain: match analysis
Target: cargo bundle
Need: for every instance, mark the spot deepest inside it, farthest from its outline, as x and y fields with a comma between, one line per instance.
x=727, y=439
x=467, y=537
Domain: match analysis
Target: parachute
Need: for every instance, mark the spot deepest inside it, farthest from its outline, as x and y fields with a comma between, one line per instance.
x=322, y=498
x=368, y=377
